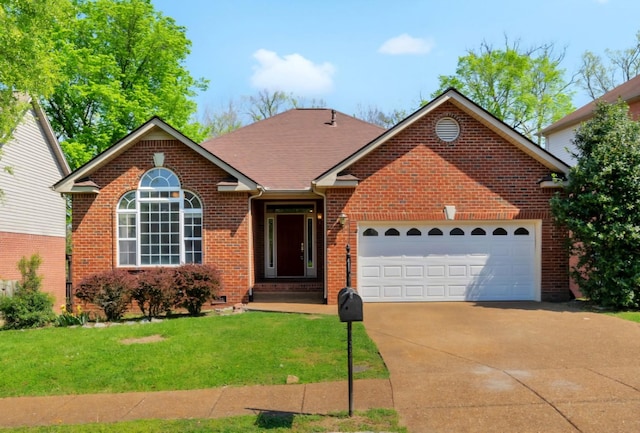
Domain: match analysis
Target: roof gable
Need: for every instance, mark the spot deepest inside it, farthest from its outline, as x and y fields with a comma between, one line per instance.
x=154, y=128
x=628, y=92
x=331, y=177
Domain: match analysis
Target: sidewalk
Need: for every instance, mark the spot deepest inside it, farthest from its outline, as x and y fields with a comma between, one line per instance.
x=315, y=398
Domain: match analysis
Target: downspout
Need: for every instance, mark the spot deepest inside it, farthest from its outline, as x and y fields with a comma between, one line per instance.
x=251, y=240
x=324, y=234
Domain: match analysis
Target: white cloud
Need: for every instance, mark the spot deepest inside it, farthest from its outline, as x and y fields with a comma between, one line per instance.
x=405, y=44
x=291, y=73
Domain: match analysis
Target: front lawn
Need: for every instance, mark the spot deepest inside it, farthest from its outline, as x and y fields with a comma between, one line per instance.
x=184, y=353
x=633, y=316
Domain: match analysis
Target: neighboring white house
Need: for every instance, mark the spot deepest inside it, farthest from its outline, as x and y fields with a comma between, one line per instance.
x=559, y=135
x=32, y=215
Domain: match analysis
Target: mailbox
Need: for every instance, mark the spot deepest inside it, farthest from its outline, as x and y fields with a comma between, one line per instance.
x=349, y=305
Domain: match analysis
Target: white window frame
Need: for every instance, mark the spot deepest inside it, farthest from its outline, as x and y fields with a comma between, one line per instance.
x=169, y=192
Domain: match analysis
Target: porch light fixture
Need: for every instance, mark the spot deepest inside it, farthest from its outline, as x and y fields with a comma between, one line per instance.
x=342, y=219
x=319, y=215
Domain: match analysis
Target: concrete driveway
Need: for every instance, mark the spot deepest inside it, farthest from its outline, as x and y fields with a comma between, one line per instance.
x=508, y=367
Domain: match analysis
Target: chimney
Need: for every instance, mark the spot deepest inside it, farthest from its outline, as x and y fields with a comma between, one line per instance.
x=333, y=117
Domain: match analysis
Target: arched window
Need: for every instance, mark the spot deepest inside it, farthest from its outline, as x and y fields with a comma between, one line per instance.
x=499, y=232
x=414, y=232
x=370, y=232
x=478, y=231
x=456, y=232
x=521, y=231
x=435, y=232
x=159, y=223
x=392, y=232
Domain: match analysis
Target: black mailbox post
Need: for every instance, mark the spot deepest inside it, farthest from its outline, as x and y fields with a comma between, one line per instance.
x=349, y=310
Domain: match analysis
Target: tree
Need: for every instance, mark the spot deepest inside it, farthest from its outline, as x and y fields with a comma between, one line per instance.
x=27, y=65
x=601, y=207
x=373, y=114
x=254, y=108
x=123, y=63
x=524, y=88
x=221, y=122
x=596, y=78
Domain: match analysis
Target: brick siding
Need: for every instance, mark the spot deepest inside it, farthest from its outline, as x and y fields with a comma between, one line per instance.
x=14, y=246
x=414, y=175
x=225, y=220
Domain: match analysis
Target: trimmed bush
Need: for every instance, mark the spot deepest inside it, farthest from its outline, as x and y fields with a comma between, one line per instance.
x=195, y=285
x=154, y=292
x=28, y=307
x=110, y=291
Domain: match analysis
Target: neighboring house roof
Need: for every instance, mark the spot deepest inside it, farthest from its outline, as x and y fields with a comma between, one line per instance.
x=47, y=131
x=333, y=176
x=52, y=139
x=78, y=182
x=628, y=91
x=287, y=151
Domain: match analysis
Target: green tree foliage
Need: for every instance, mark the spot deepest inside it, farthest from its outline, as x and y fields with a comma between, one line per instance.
x=525, y=88
x=123, y=63
x=601, y=207
x=598, y=76
x=27, y=66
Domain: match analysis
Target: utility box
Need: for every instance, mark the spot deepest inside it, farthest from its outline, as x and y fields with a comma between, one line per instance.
x=349, y=305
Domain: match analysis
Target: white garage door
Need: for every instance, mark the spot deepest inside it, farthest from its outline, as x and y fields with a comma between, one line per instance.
x=447, y=262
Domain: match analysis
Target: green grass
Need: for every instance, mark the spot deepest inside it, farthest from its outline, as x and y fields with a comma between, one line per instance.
x=203, y=352
x=633, y=316
x=372, y=420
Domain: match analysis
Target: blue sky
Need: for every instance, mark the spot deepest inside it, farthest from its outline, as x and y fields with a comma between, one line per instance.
x=386, y=54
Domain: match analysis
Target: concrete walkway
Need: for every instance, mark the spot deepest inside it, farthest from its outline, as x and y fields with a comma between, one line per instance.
x=316, y=398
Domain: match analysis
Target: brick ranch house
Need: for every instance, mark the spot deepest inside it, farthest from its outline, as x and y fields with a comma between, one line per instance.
x=451, y=204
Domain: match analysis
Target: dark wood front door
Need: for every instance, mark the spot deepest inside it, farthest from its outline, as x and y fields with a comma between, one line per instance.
x=290, y=245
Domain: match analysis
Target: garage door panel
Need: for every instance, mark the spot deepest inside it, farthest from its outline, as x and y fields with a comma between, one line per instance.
x=414, y=291
x=457, y=271
x=448, y=267
x=371, y=271
x=412, y=271
x=392, y=292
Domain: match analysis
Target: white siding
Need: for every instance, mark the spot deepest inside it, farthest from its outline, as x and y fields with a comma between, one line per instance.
x=560, y=143
x=29, y=204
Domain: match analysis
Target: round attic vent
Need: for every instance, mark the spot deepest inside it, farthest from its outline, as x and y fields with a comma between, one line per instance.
x=447, y=129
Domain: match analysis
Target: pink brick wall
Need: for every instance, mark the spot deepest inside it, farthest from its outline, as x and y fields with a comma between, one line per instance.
x=14, y=246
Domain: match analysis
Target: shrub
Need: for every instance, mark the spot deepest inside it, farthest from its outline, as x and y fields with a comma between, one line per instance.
x=154, y=292
x=194, y=285
x=110, y=291
x=28, y=307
